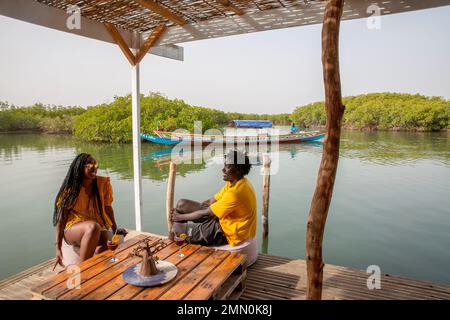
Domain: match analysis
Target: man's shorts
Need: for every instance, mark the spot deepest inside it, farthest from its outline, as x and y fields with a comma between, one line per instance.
x=206, y=232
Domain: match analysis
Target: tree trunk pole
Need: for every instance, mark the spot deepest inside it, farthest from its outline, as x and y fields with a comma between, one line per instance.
x=325, y=179
x=169, y=197
x=266, y=194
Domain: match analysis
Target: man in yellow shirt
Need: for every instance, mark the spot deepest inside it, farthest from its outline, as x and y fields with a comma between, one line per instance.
x=227, y=218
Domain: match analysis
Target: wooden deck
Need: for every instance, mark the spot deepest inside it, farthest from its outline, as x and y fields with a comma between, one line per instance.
x=275, y=278
x=201, y=273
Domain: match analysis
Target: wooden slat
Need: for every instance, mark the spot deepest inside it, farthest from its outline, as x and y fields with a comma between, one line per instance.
x=185, y=285
x=273, y=272
x=183, y=269
x=63, y=276
x=271, y=277
x=116, y=284
x=130, y=16
x=300, y=267
x=85, y=275
x=129, y=291
x=230, y=6
x=120, y=42
x=152, y=38
x=162, y=11
x=233, y=287
x=28, y=272
x=345, y=282
x=211, y=283
x=275, y=291
x=270, y=282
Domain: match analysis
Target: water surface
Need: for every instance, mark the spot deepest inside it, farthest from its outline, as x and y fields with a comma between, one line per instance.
x=390, y=207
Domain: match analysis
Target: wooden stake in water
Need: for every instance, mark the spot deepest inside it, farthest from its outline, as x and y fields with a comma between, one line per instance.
x=169, y=197
x=266, y=192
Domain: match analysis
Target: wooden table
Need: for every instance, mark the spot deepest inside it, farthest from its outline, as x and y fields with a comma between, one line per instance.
x=203, y=273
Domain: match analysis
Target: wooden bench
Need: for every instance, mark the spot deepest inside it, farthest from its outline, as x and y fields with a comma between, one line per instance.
x=203, y=273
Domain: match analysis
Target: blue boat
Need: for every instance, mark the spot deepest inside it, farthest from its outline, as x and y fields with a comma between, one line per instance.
x=174, y=138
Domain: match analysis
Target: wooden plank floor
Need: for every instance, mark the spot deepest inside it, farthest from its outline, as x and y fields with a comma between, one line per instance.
x=276, y=278
x=273, y=278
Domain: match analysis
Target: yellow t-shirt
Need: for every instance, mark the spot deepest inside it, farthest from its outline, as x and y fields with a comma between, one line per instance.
x=236, y=209
x=86, y=209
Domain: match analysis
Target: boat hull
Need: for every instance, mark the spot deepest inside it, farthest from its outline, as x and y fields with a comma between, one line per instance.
x=206, y=140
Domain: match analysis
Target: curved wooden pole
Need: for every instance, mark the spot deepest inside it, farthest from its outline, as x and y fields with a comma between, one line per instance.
x=266, y=194
x=169, y=197
x=327, y=172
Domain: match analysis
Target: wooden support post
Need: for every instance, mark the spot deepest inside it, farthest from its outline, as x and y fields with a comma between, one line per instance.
x=328, y=166
x=266, y=193
x=169, y=197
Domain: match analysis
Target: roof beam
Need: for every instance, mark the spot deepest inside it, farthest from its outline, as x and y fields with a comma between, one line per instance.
x=152, y=38
x=229, y=6
x=46, y=16
x=162, y=11
x=120, y=42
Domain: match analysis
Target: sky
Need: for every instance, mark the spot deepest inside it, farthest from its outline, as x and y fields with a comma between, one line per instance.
x=265, y=72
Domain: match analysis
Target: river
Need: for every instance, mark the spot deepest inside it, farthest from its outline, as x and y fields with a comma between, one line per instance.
x=390, y=207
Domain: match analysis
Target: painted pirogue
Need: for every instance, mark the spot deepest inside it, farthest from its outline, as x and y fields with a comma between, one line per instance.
x=173, y=138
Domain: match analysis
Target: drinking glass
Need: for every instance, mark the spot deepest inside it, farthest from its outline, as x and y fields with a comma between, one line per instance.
x=113, y=246
x=179, y=240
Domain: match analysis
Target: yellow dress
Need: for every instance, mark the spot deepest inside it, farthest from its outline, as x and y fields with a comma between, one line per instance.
x=236, y=209
x=86, y=208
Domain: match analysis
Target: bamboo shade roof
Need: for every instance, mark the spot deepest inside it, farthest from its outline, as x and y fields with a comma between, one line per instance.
x=135, y=15
x=132, y=15
x=170, y=22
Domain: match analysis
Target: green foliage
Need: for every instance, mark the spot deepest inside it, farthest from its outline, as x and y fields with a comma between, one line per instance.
x=112, y=122
x=63, y=124
x=52, y=119
x=277, y=119
x=385, y=111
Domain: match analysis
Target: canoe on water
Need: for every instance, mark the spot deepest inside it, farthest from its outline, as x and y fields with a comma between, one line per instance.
x=173, y=138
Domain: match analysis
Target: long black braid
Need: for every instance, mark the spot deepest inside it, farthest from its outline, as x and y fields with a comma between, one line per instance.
x=70, y=189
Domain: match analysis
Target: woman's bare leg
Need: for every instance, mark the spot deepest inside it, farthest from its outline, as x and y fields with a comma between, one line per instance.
x=86, y=235
x=101, y=246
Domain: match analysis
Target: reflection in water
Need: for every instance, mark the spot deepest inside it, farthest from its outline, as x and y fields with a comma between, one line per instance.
x=396, y=148
x=381, y=148
x=265, y=246
x=12, y=146
x=383, y=212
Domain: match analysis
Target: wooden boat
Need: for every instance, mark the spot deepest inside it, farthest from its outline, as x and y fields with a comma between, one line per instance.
x=173, y=138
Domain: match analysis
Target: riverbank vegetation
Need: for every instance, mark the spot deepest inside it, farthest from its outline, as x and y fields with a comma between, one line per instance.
x=382, y=111
x=49, y=119
x=112, y=122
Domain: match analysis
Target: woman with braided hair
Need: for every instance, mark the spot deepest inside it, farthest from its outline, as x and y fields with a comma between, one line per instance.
x=83, y=215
